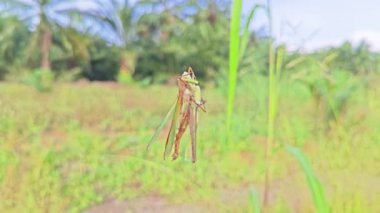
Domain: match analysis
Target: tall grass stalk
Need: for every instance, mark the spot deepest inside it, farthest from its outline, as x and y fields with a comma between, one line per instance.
x=238, y=46
x=233, y=60
x=314, y=185
x=271, y=116
x=275, y=64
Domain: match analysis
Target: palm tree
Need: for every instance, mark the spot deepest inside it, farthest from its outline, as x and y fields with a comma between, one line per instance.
x=45, y=16
x=175, y=33
x=127, y=61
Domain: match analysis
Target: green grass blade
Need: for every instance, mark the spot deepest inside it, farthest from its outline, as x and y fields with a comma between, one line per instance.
x=160, y=127
x=276, y=80
x=272, y=106
x=233, y=59
x=245, y=36
x=315, y=186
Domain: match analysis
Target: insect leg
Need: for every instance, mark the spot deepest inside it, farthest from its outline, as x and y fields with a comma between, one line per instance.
x=182, y=128
x=193, y=131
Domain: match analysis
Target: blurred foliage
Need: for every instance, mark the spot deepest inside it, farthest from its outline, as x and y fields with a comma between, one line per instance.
x=162, y=38
x=13, y=40
x=147, y=40
x=40, y=79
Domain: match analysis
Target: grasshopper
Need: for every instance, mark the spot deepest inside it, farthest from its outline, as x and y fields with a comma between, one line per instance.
x=184, y=114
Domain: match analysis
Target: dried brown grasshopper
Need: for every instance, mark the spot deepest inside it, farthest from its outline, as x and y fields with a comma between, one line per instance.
x=184, y=114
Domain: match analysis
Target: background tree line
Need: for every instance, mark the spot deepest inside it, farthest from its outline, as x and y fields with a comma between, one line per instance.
x=147, y=40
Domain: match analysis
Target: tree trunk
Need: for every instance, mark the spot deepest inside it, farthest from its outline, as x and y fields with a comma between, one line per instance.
x=45, y=48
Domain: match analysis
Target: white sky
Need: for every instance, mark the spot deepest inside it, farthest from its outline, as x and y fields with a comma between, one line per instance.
x=321, y=23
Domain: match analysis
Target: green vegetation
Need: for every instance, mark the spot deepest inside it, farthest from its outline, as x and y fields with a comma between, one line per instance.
x=57, y=156
x=69, y=145
x=114, y=40
x=312, y=181
x=234, y=57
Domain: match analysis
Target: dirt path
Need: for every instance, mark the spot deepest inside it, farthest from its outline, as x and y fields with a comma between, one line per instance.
x=150, y=204
x=229, y=200
x=291, y=191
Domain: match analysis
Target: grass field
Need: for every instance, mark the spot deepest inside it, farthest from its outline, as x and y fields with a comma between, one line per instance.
x=81, y=147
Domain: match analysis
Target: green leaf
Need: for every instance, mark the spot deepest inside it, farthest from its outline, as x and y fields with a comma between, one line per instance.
x=245, y=36
x=233, y=58
x=315, y=186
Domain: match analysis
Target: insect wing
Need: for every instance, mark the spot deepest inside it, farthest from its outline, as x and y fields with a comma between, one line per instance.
x=161, y=126
x=173, y=127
